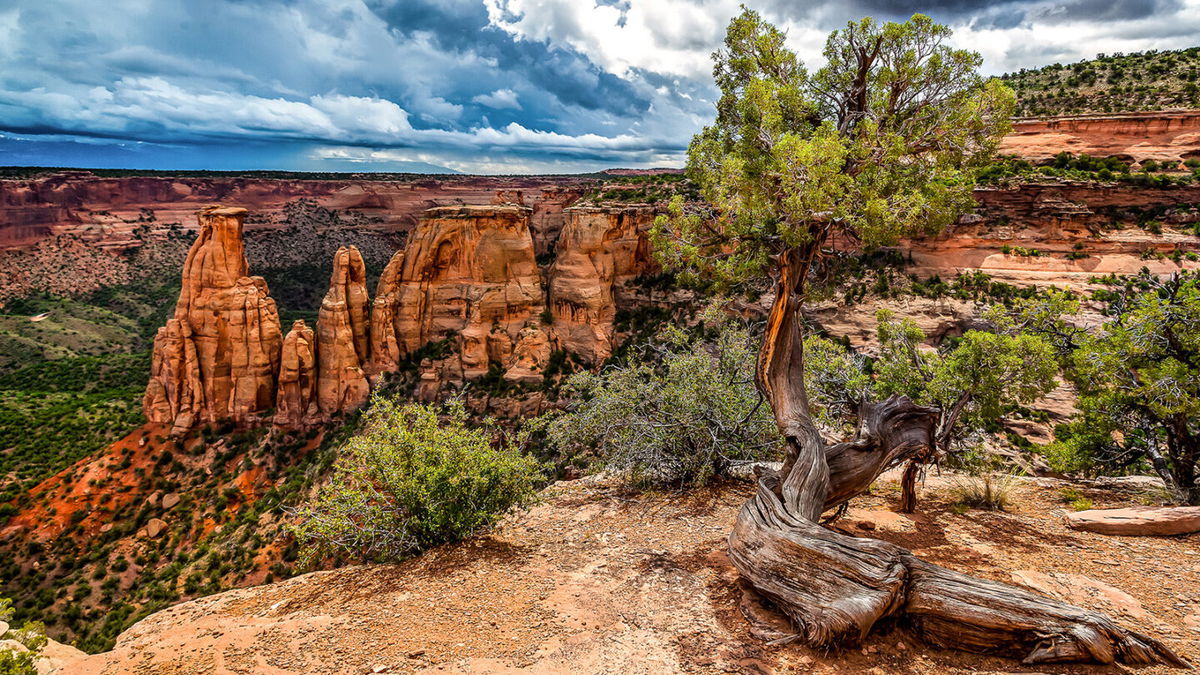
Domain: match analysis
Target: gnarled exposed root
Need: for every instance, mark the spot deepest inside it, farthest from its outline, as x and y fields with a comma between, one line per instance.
x=835, y=588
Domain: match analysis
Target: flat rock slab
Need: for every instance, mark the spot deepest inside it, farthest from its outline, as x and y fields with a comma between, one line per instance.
x=1138, y=520
x=1078, y=589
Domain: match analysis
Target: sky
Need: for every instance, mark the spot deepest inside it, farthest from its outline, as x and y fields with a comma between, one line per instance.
x=472, y=86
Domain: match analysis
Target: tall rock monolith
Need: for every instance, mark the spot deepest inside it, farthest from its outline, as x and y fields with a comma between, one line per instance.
x=218, y=357
x=342, y=336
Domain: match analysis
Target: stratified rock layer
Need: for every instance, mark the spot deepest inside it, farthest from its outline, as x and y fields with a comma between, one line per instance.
x=599, y=251
x=219, y=356
x=468, y=275
x=1161, y=136
x=342, y=341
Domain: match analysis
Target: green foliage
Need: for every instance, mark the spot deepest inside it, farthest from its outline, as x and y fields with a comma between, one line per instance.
x=1139, y=384
x=13, y=662
x=32, y=635
x=1082, y=504
x=409, y=481
x=987, y=374
x=972, y=285
x=71, y=328
x=55, y=412
x=677, y=415
x=645, y=189
x=1007, y=169
x=974, y=382
x=794, y=158
x=836, y=380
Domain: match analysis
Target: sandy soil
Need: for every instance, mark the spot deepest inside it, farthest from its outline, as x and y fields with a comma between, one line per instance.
x=596, y=580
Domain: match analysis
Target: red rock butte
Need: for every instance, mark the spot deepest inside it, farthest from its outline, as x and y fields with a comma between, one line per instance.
x=468, y=275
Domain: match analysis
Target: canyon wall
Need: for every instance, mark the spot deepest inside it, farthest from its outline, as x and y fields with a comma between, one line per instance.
x=107, y=211
x=1134, y=136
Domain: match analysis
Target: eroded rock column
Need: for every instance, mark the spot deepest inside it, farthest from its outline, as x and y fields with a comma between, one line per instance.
x=218, y=357
x=296, y=402
x=342, y=341
x=468, y=275
x=601, y=248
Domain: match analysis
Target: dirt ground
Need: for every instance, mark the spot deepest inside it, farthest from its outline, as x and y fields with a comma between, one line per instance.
x=598, y=580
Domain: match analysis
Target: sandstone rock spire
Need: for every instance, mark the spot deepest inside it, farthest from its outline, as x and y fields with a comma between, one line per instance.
x=601, y=248
x=386, y=351
x=342, y=341
x=295, y=402
x=219, y=356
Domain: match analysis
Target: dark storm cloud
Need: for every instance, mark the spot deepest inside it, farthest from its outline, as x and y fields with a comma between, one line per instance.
x=560, y=72
x=476, y=85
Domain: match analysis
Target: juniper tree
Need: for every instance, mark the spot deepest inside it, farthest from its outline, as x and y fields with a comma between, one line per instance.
x=879, y=143
x=1138, y=378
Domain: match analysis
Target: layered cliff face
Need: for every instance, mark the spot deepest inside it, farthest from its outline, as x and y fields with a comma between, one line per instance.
x=599, y=251
x=342, y=340
x=1066, y=233
x=105, y=211
x=219, y=355
x=469, y=275
x=1135, y=136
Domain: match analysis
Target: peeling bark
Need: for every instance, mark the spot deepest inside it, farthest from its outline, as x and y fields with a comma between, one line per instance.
x=835, y=587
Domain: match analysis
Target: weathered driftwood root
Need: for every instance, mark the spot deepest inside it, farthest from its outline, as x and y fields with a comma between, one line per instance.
x=835, y=588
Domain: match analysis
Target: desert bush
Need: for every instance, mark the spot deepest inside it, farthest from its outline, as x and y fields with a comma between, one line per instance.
x=409, y=481
x=988, y=491
x=1075, y=499
x=679, y=413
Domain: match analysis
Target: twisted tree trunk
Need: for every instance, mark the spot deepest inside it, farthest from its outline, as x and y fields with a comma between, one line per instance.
x=835, y=587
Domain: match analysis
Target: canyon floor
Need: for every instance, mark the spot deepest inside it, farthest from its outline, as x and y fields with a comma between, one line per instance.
x=599, y=580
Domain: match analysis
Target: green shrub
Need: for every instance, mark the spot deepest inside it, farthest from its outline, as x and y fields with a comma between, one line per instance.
x=32, y=635
x=682, y=412
x=13, y=662
x=408, y=482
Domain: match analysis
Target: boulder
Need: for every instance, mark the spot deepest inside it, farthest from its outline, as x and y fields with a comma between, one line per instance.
x=55, y=657
x=155, y=527
x=529, y=356
x=12, y=646
x=170, y=500
x=1138, y=520
x=342, y=343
